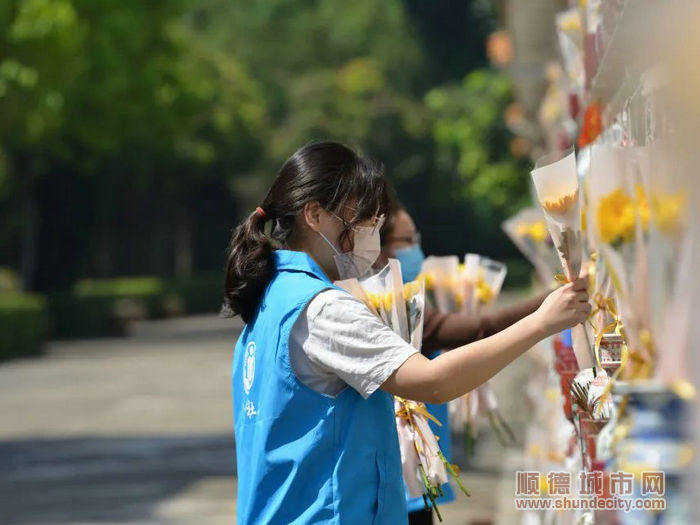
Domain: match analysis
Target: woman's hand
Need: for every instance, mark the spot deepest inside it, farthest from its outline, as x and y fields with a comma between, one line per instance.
x=565, y=307
x=461, y=370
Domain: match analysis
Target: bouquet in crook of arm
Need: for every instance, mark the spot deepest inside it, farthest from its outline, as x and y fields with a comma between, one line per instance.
x=402, y=308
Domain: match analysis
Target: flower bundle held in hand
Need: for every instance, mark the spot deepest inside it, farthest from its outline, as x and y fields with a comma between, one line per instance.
x=452, y=287
x=481, y=280
x=402, y=308
x=557, y=187
x=442, y=283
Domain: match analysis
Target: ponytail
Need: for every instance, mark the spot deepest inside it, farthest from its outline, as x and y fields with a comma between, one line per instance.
x=249, y=267
x=327, y=172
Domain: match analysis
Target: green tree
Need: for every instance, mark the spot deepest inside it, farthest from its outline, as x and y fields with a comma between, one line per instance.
x=39, y=57
x=475, y=180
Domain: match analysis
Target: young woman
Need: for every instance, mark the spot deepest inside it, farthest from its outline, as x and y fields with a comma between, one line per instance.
x=314, y=371
x=400, y=240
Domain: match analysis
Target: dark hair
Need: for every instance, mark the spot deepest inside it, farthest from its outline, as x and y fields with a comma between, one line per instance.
x=393, y=207
x=328, y=172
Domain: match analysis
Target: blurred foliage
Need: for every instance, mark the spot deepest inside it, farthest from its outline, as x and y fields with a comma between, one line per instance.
x=9, y=281
x=134, y=135
x=104, y=307
x=471, y=139
x=124, y=286
x=22, y=324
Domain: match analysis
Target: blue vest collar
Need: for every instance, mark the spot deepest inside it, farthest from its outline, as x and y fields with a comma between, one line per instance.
x=298, y=262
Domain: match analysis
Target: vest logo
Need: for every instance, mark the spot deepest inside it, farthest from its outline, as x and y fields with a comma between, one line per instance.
x=249, y=367
x=250, y=409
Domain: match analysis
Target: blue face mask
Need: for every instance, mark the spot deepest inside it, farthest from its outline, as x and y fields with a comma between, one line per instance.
x=411, y=260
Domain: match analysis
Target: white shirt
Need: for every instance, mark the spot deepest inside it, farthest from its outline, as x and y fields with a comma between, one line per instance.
x=337, y=342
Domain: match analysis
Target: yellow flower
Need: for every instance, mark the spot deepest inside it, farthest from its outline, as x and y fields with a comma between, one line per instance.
x=616, y=218
x=374, y=300
x=642, y=207
x=428, y=279
x=584, y=225
x=668, y=211
x=388, y=301
x=484, y=293
x=572, y=24
x=411, y=289
x=562, y=205
x=459, y=300
x=538, y=231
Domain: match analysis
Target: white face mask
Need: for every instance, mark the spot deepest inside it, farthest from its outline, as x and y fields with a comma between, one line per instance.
x=358, y=262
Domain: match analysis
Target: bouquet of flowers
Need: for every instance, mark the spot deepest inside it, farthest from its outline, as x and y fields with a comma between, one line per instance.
x=603, y=317
x=442, y=283
x=528, y=231
x=620, y=223
x=481, y=281
x=557, y=187
x=669, y=259
x=402, y=308
x=452, y=287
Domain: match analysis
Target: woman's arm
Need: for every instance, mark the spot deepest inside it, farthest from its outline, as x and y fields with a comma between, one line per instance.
x=455, y=373
x=444, y=331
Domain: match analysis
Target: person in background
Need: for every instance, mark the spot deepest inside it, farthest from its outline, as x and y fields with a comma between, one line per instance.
x=442, y=331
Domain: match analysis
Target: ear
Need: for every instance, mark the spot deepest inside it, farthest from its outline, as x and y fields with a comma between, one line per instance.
x=311, y=215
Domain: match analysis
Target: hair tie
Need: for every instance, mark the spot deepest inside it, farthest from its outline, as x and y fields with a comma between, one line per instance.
x=261, y=212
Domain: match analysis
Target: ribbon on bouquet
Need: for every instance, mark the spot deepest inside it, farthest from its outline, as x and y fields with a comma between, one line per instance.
x=407, y=411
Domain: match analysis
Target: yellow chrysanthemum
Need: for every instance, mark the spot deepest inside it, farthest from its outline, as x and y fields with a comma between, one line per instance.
x=616, y=217
x=642, y=207
x=374, y=300
x=538, y=231
x=668, y=211
x=388, y=301
x=562, y=205
x=584, y=225
x=410, y=289
x=429, y=280
x=484, y=292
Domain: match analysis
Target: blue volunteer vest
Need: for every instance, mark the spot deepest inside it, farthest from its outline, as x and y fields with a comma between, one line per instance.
x=304, y=457
x=445, y=442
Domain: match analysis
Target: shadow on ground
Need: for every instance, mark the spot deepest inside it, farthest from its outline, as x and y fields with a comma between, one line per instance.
x=103, y=479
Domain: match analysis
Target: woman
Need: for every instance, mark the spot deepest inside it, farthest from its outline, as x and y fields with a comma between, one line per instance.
x=314, y=371
x=401, y=241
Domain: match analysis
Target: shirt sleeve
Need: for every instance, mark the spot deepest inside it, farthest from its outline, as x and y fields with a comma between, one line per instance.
x=345, y=338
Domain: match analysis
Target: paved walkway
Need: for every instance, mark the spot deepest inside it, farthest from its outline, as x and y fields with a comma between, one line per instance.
x=138, y=431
